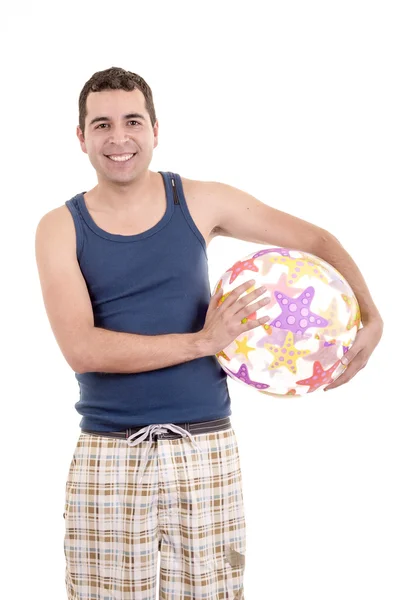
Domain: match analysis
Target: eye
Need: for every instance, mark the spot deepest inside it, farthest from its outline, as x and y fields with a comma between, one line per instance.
x=101, y=124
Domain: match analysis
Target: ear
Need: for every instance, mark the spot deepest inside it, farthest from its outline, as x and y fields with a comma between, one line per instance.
x=155, y=131
x=81, y=139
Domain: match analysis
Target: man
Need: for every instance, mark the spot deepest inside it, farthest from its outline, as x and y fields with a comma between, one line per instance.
x=123, y=270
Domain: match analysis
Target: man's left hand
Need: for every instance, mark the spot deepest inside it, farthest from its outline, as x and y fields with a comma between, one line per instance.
x=356, y=358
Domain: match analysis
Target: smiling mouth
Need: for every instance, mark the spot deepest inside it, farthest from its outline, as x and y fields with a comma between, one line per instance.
x=123, y=159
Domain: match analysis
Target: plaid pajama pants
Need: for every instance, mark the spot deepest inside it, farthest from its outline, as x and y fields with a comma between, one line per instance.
x=126, y=503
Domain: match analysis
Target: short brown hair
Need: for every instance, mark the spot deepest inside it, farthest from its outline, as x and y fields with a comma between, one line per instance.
x=115, y=79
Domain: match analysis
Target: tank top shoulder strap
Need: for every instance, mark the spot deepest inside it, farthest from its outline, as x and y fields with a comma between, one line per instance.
x=75, y=211
x=171, y=185
x=179, y=198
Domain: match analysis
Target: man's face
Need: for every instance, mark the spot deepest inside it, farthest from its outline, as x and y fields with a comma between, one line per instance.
x=115, y=132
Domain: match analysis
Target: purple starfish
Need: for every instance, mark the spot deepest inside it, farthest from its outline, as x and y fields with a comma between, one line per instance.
x=282, y=251
x=243, y=375
x=296, y=315
x=278, y=336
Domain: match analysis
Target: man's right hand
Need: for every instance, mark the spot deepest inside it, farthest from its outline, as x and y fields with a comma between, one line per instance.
x=223, y=323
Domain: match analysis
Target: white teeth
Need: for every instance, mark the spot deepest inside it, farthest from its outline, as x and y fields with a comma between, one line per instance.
x=122, y=158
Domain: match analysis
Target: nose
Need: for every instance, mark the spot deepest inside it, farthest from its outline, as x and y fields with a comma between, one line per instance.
x=118, y=135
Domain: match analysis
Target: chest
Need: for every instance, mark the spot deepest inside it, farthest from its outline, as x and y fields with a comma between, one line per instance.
x=142, y=220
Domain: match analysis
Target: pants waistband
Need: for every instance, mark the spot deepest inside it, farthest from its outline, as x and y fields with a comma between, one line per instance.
x=192, y=428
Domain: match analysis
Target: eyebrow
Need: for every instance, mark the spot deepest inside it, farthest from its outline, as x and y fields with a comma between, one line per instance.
x=129, y=116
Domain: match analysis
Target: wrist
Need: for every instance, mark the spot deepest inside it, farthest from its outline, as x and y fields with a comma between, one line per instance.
x=372, y=318
x=202, y=344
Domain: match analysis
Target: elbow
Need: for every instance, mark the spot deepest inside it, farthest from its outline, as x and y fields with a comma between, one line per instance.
x=83, y=355
x=84, y=365
x=77, y=365
x=322, y=239
x=80, y=363
x=79, y=369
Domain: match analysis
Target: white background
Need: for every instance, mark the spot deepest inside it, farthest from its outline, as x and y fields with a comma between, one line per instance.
x=296, y=103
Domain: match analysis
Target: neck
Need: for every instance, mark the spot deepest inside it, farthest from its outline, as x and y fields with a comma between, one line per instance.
x=110, y=196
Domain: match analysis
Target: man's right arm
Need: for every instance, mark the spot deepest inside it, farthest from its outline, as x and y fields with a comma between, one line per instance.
x=69, y=310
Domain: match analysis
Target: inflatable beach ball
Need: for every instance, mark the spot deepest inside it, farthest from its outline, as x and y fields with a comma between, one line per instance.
x=314, y=319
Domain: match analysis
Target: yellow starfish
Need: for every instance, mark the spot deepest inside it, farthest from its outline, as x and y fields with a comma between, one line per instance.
x=299, y=267
x=243, y=348
x=286, y=355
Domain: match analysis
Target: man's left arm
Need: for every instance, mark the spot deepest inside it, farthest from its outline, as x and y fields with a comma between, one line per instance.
x=240, y=215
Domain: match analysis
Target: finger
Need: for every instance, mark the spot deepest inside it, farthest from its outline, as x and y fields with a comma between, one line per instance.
x=349, y=373
x=251, y=309
x=256, y=293
x=246, y=305
x=351, y=354
x=351, y=367
x=245, y=286
x=343, y=378
x=253, y=323
x=238, y=291
x=216, y=297
x=263, y=319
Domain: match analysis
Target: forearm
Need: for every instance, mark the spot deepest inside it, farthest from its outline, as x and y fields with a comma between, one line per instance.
x=330, y=249
x=118, y=352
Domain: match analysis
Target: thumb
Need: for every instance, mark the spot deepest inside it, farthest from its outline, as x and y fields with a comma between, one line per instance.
x=217, y=296
x=350, y=355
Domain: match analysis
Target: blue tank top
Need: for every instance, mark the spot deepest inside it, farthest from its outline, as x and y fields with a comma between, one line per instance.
x=151, y=283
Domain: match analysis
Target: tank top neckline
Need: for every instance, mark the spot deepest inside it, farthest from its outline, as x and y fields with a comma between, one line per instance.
x=135, y=237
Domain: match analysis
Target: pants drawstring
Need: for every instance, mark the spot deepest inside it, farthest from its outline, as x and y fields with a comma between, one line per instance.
x=156, y=429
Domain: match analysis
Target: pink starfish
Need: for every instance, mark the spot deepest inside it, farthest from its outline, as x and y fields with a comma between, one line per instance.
x=240, y=266
x=319, y=376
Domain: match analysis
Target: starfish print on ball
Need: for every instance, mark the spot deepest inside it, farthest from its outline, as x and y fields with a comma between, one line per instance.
x=282, y=251
x=326, y=354
x=296, y=314
x=243, y=348
x=243, y=375
x=291, y=393
x=286, y=355
x=319, y=376
x=335, y=326
x=222, y=354
x=263, y=255
x=281, y=286
x=299, y=267
x=277, y=337
x=219, y=285
x=240, y=266
x=346, y=346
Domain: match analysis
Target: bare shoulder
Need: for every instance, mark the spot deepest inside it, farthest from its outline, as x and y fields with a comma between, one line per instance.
x=197, y=186
x=60, y=214
x=202, y=200
x=58, y=222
